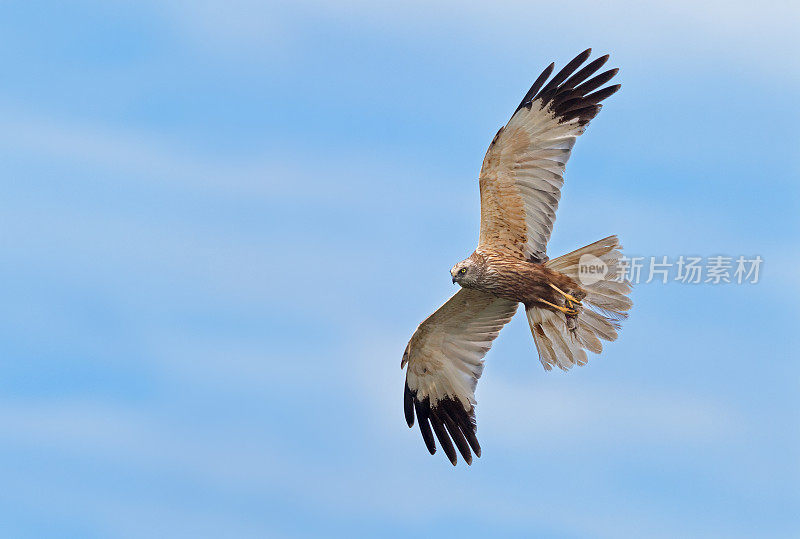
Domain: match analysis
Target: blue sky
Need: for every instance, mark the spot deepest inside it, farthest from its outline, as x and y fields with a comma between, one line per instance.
x=222, y=221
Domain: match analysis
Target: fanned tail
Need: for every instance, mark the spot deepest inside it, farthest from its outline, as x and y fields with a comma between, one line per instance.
x=606, y=304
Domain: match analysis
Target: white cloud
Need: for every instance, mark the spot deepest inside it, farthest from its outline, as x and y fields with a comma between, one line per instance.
x=523, y=413
x=738, y=33
x=138, y=437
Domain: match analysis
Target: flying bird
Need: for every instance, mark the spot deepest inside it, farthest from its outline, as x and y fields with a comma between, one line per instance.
x=520, y=187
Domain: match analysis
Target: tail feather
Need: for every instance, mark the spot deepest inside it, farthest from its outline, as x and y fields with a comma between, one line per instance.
x=605, y=306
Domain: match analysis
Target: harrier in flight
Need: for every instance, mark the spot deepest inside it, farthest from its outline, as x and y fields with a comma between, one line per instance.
x=568, y=312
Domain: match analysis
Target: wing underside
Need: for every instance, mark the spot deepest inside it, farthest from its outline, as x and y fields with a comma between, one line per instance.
x=444, y=360
x=523, y=170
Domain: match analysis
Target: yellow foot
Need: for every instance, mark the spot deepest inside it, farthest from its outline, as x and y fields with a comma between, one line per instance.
x=569, y=297
x=566, y=310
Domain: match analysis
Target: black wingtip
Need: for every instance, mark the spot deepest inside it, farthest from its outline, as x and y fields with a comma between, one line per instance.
x=444, y=439
x=582, y=57
x=537, y=84
x=567, y=92
x=552, y=88
x=408, y=406
x=447, y=420
x=583, y=73
x=596, y=82
x=600, y=95
x=456, y=435
x=423, y=412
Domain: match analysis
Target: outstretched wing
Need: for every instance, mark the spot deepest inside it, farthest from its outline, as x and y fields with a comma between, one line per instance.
x=523, y=170
x=445, y=360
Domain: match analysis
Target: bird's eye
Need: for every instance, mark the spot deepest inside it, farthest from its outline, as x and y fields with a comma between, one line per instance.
x=462, y=271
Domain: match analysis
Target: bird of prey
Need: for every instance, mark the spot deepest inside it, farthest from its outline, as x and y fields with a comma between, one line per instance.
x=520, y=183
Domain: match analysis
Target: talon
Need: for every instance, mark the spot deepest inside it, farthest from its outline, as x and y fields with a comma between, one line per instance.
x=569, y=297
x=565, y=310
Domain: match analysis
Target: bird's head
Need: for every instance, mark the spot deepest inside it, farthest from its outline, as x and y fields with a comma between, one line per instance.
x=466, y=272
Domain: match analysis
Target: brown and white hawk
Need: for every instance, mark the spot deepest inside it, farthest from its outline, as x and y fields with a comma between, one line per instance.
x=520, y=186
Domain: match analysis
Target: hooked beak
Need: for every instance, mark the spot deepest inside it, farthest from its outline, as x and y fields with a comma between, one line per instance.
x=454, y=279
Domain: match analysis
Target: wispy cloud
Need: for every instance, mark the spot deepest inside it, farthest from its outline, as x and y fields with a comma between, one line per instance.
x=204, y=315
x=734, y=32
